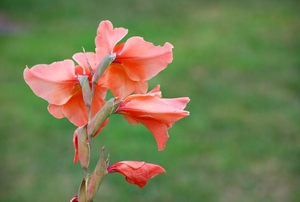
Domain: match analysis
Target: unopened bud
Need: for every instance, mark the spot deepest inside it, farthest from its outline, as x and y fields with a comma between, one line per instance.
x=86, y=90
x=108, y=109
x=106, y=61
x=97, y=176
x=82, y=192
x=83, y=148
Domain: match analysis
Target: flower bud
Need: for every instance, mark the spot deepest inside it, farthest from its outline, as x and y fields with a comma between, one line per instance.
x=83, y=147
x=82, y=192
x=86, y=90
x=108, y=109
x=106, y=61
x=97, y=176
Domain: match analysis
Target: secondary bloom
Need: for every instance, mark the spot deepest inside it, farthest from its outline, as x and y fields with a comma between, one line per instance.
x=156, y=113
x=136, y=61
x=136, y=172
x=58, y=84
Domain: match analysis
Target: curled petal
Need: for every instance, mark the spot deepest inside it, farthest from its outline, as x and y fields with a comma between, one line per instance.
x=136, y=172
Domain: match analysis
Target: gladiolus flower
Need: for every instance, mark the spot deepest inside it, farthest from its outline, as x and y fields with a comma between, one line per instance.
x=136, y=172
x=136, y=61
x=156, y=113
x=58, y=84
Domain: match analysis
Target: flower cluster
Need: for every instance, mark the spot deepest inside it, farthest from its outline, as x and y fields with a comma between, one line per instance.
x=78, y=90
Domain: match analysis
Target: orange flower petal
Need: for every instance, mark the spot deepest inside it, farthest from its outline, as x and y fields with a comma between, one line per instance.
x=136, y=172
x=54, y=83
x=155, y=113
x=118, y=82
x=107, y=38
x=83, y=58
x=79, y=116
x=142, y=60
x=159, y=131
x=56, y=111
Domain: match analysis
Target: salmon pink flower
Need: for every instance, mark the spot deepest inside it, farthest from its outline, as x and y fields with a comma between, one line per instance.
x=136, y=61
x=156, y=113
x=58, y=84
x=136, y=172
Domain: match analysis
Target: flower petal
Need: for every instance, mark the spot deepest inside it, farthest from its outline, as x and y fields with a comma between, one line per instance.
x=155, y=107
x=136, y=172
x=54, y=83
x=159, y=130
x=76, y=111
x=155, y=113
x=56, y=111
x=79, y=116
x=86, y=59
x=107, y=38
x=142, y=60
x=118, y=82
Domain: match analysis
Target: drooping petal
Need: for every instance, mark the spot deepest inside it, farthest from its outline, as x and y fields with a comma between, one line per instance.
x=136, y=172
x=142, y=60
x=55, y=82
x=107, y=38
x=159, y=130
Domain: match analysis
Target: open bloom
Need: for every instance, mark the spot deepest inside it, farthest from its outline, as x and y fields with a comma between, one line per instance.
x=136, y=61
x=136, y=172
x=156, y=113
x=58, y=84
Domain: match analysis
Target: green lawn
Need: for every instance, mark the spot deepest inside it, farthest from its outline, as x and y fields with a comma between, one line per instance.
x=239, y=62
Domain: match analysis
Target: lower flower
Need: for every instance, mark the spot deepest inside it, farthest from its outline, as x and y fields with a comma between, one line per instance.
x=136, y=172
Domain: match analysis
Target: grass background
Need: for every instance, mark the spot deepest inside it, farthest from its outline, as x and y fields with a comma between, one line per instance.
x=238, y=61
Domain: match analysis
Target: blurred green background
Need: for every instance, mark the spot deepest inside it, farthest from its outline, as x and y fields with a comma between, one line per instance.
x=238, y=61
